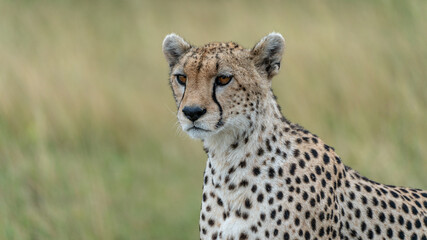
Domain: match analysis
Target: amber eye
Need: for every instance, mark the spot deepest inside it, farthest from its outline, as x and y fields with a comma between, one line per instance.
x=181, y=79
x=223, y=80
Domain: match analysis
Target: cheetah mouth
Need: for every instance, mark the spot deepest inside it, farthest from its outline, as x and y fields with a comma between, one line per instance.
x=194, y=128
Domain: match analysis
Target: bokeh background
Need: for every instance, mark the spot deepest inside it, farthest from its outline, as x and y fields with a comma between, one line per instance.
x=89, y=143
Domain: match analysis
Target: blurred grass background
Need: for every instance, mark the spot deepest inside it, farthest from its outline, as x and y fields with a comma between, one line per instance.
x=89, y=146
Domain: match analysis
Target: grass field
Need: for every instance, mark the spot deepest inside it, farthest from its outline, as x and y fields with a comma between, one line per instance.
x=89, y=144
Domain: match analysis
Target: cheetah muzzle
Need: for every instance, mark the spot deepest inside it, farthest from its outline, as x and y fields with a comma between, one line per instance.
x=265, y=177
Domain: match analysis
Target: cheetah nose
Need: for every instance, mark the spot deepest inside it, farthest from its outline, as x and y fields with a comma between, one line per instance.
x=193, y=112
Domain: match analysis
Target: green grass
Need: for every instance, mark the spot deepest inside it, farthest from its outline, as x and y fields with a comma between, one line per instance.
x=89, y=144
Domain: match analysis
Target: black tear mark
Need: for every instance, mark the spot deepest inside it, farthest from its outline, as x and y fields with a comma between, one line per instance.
x=219, y=123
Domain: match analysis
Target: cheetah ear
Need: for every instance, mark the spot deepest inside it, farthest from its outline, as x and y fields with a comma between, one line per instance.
x=174, y=47
x=267, y=54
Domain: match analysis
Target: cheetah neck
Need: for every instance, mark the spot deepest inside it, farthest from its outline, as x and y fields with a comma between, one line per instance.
x=265, y=133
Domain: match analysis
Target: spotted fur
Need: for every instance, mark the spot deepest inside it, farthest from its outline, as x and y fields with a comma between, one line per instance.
x=267, y=178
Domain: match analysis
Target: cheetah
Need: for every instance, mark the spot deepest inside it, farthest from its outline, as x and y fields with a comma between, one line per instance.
x=265, y=177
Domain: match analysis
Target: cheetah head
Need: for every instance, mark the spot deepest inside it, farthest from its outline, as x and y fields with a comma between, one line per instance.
x=219, y=87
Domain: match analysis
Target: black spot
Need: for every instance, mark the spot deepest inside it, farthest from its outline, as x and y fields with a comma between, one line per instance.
x=292, y=169
x=262, y=215
x=267, y=144
x=318, y=170
x=357, y=213
x=273, y=214
x=260, y=198
x=256, y=171
x=242, y=164
x=271, y=172
x=286, y=214
x=296, y=153
x=391, y=218
x=314, y=153
x=321, y=216
x=364, y=200
x=381, y=217
x=401, y=220
x=392, y=204
x=375, y=201
x=363, y=226
x=389, y=233
x=377, y=229
x=321, y=232
x=268, y=187
x=326, y=158
x=414, y=210
x=370, y=234
x=313, y=224
x=394, y=194
x=417, y=223
x=243, y=183
x=274, y=139
x=326, y=147
x=301, y=163
x=305, y=179
x=307, y=235
x=312, y=202
x=243, y=236
x=248, y=203
x=307, y=156
x=312, y=177
x=405, y=208
x=260, y=152
x=401, y=234
x=211, y=222
x=280, y=171
x=369, y=212
x=408, y=225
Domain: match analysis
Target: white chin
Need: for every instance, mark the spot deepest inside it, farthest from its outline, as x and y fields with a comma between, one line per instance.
x=198, y=134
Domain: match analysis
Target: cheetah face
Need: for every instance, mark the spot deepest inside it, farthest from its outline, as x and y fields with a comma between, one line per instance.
x=218, y=87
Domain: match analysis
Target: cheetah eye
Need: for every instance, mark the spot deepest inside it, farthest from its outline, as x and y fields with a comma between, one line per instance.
x=223, y=80
x=181, y=79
